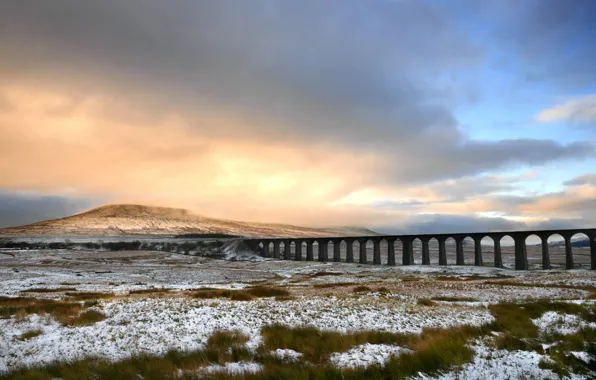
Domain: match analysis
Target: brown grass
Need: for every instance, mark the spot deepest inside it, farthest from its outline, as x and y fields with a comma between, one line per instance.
x=241, y=295
x=361, y=288
x=49, y=290
x=322, y=274
x=81, y=296
x=425, y=302
x=334, y=285
x=85, y=318
x=146, y=291
x=29, y=334
x=454, y=299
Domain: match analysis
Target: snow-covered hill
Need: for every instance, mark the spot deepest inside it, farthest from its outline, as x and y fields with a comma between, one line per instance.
x=118, y=220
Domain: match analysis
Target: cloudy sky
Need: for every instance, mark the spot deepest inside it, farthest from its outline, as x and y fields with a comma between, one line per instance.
x=399, y=115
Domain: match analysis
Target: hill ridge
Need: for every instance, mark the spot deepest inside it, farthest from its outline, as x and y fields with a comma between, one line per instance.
x=134, y=219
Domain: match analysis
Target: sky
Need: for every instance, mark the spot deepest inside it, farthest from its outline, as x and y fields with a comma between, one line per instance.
x=398, y=115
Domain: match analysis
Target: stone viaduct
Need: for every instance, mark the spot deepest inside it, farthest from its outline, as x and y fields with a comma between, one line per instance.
x=269, y=247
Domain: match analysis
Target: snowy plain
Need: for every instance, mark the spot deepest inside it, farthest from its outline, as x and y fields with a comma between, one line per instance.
x=156, y=324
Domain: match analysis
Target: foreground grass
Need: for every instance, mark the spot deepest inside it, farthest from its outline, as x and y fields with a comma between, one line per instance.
x=432, y=352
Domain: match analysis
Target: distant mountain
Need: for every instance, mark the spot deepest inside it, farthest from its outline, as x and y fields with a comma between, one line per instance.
x=576, y=243
x=117, y=220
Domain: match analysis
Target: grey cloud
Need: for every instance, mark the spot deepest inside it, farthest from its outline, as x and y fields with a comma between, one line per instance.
x=19, y=209
x=586, y=179
x=447, y=223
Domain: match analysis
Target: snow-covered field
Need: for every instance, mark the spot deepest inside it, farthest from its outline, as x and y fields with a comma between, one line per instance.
x=322, y=296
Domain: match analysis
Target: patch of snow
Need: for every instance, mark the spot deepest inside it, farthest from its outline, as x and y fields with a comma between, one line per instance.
x=565, y=324
x=233, y=368
x=499, y=365
x=286, y=354
x=366, y=355
x=583, y=356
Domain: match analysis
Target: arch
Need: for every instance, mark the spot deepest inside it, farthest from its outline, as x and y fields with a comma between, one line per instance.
x=487, y=244
x=580, y=248
x=292, y=250
x=282, y=249
x=556, y=248
x=507, y=247
x=537, y=252
x=450, y=249
x=433, y=250
x=355, y=250
x=416, y=251
x=470, y=251
x=343, y=247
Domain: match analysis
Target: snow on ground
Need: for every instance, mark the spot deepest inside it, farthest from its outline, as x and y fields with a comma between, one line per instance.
x=233, y=368
x=157, y=325
x=500, y=364
x=565, y=324
x=286, y=354
x=366, y=355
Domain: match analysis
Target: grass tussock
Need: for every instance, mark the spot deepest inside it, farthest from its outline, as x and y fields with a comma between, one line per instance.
x=29, y=334
x=361, y=289
x=454, y=299
x=425, y=302
x=82, y=296
x=49, y=290
x=258, y=291
x=85, y=318
x=149, y=291
x=334, y=285
x=324, y=273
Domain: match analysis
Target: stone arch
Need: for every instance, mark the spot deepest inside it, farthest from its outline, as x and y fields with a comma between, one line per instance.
x=343, y=248
x=533, y=244
x=469, y=250
x=292, y=250
x=450, y=248
x=580, y=248
x=356, y=250
x=433, y=247
x=416, y=251
x=487, y=243
x=556, y=248
x=507, y=244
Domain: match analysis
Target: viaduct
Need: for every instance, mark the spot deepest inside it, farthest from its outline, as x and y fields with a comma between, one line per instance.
x=268, y=247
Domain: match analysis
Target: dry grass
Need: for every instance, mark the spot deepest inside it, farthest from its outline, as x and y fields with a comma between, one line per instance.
x=241, y=295
x=334, y=285
x=454, y=299
x=425, y=302
x=361, y=289
x=29, y=334
x=81, y=296
x=49, y=290
x=148, y=291
x=322, y=274
x=85, y=318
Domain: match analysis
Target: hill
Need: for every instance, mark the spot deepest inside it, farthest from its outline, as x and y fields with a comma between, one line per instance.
x=118, y=220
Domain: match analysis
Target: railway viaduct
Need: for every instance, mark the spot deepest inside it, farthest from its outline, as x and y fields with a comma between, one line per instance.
x=269, y=247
